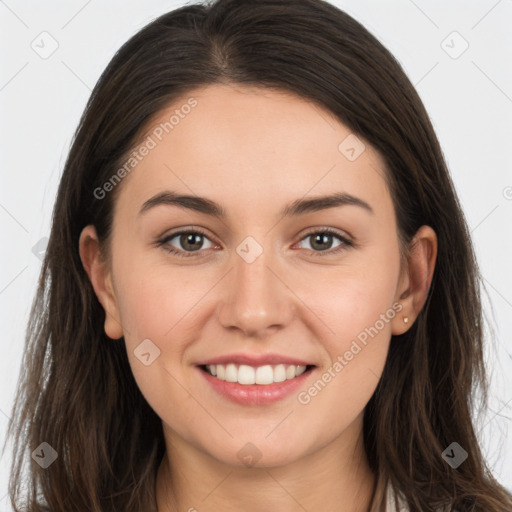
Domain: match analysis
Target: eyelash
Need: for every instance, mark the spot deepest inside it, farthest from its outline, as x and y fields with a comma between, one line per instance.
x=196, y=231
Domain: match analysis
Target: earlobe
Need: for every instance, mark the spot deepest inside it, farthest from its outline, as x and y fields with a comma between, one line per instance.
x=417, y=278
x=101, y=280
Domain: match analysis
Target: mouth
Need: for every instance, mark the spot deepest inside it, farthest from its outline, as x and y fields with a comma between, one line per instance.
x=249, y=385
x=247, y=375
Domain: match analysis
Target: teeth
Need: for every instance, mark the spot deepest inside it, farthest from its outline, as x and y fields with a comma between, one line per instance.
x=290, y=372
x=300, y=369
x=279, y=373
x=246, y=374
x=231, y=374
x=263, y=375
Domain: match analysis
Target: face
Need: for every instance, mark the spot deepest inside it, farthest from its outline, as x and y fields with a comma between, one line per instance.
x=266, y=289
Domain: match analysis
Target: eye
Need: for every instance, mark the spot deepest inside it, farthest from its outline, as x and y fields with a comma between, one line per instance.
x=322, y=241
x=185, y=243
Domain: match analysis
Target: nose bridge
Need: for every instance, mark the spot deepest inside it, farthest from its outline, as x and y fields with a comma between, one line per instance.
x=255, y=299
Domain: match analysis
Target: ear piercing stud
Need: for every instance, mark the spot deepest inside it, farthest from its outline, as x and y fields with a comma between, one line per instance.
x=406, y=319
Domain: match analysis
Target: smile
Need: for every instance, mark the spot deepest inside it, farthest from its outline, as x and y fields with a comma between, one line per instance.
x=248, y=375
x=255, y=385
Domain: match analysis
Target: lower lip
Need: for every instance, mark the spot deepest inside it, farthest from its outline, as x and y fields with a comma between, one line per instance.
x=255, y=394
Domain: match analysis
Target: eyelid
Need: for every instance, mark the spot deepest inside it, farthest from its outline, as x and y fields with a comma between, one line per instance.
x=184, y=229
x=326, y=229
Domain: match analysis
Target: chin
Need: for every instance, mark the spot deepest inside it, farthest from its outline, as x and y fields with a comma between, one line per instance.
x=254, y=454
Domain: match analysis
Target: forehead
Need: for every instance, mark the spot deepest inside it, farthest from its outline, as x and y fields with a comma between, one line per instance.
x=254, y=145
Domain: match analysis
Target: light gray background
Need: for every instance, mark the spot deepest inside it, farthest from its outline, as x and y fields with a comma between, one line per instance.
x=469, y=99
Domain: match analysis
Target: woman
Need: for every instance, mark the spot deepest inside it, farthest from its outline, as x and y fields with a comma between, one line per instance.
x=259, y=289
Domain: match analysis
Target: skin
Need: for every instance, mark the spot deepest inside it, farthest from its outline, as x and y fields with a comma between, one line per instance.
x=254, y=151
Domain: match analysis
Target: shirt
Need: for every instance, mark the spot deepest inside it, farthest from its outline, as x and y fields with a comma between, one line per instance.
x=403, y=507
x=390, y=503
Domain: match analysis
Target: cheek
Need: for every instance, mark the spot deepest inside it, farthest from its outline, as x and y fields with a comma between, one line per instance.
x=355, y=307
x=153, y=300
x=350, y=300
x=164, y=306
x=355, y=354
x=156, y=308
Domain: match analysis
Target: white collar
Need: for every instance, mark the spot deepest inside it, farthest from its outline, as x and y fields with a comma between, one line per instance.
x=390, y=502
x=403, y=507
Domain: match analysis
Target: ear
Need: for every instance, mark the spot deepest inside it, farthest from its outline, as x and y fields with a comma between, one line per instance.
x=415, y=280
x=101, y=280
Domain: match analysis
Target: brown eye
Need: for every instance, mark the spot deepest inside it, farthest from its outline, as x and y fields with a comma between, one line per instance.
x=191, y=241
x=323, y=240
x=185, y=243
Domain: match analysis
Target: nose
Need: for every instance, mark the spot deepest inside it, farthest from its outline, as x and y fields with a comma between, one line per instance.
x=255, y=299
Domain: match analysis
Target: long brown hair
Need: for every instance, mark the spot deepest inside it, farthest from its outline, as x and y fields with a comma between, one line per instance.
x=76, y=390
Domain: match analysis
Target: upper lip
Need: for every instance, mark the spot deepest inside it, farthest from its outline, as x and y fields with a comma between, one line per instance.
x=255, y=360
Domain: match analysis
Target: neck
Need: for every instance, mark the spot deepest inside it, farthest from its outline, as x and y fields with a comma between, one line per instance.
x=336, y=477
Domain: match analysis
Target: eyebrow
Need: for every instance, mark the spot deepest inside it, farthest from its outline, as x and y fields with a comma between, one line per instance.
x=297, y=207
